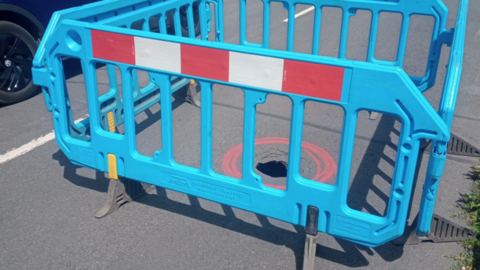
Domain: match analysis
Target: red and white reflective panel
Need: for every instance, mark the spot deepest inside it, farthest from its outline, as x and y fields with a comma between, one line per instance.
x=296, y=77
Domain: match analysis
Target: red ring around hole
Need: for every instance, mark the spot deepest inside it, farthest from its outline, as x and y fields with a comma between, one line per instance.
x=229, y=161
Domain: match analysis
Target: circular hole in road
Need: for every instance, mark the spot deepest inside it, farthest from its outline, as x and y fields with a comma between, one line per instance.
x=272, y=162
x=273, y=168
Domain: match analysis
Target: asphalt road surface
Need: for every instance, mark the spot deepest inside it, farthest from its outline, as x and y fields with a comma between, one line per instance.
x=47, y=204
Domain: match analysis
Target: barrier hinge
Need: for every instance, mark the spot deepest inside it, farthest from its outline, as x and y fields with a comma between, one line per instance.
x=42, y=78
x=446, y=37
x=459, y=147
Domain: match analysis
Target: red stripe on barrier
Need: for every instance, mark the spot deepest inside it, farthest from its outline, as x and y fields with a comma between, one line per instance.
x=113, y=47
x=314, y=80
x=205, y=62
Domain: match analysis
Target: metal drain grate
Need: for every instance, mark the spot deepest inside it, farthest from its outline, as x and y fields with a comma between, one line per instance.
x=443, y=230
x=458, y=146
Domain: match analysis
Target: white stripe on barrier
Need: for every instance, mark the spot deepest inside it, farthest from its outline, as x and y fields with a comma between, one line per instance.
x=158, y=54
x=256, y=71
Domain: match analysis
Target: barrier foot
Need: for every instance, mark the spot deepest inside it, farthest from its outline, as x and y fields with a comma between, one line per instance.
x=310, y=239
x=192, y=96
x=373, y=116
x=189, y=94
x=442, y=230
x=122, y=191
x=456, y=146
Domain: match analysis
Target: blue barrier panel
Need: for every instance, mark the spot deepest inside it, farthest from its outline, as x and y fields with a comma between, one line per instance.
x=102, y=33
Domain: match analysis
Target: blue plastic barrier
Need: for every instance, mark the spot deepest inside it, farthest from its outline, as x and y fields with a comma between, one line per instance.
x=97, y=34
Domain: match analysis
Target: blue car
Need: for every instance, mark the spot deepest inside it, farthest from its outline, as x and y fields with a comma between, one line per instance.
x=22, y=24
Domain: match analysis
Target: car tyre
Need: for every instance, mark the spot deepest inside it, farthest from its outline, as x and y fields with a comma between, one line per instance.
x=17, y=49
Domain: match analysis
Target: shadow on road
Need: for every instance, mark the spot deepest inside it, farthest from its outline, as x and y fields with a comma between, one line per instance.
x=349, y=255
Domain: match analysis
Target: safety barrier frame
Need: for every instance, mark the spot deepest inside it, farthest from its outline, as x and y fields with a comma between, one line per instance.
x=75, y=32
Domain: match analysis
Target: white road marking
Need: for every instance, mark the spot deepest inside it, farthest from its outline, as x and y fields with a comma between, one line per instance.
x=16, y=152
x=301, y=13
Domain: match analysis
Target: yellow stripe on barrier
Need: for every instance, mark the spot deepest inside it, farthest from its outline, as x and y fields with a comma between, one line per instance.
x=112, y=167
x=111, y=122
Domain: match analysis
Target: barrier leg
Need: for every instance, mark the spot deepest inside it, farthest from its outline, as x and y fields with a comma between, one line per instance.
x=310, y=238
x=189, y=94
x=373, y=116
x=122, y=191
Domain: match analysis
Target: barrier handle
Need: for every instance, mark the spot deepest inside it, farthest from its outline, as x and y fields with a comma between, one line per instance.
x=446, y=110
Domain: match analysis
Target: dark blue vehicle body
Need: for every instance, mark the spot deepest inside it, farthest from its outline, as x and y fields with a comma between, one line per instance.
x=43, y=10
x=37, y=11
x=22, y=25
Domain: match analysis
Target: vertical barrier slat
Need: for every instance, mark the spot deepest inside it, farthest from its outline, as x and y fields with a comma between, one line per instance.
x=243, y=21
x=112, y=76
x=433, y=55
x=162, y=23
x=178, y=22
x=402, y=44
x=249, y=136
x=266, y=24
x=135, y=83
x=92, y=98
x=316, y=30
x=203, y=19
x=166, y=113
x=206, y=127
x=291, y=27
x=219, y=21
x=373, y=37
x=128, y=106
x=346, y=153
x=344, y=34
x=59, y=81
x=405, y=170
x=146, y=26
x=295, y=147
x=191, y=25
x=62, y=98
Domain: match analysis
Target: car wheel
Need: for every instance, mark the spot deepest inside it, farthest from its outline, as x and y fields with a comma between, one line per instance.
x=17, y=48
